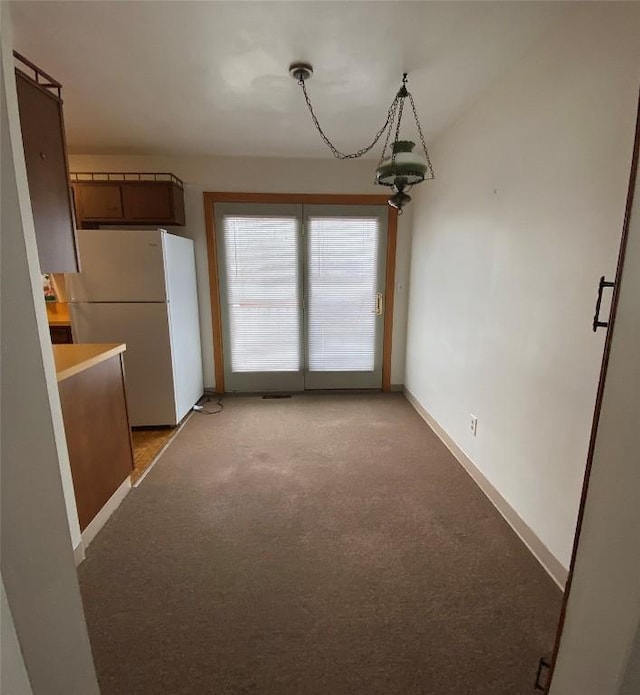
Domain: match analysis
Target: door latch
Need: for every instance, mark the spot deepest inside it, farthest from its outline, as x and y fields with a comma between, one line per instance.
x=379, y=304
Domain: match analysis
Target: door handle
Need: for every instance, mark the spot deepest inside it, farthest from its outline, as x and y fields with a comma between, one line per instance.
x=596, y=318
x=379, y=304
x=542, y=664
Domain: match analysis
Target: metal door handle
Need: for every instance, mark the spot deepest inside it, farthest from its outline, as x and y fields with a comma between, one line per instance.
x=542, y=664
x=379, y=304
x=596, y=318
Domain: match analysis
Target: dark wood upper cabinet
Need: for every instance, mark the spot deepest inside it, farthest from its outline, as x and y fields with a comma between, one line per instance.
x=127, y=199
x=98, y=202
x=148, y=201
x=43, y=139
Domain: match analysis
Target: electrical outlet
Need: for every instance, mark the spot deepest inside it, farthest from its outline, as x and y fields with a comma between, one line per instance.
x=473, y=425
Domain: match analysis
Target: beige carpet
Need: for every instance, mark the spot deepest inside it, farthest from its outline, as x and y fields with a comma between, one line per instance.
x=322, y=545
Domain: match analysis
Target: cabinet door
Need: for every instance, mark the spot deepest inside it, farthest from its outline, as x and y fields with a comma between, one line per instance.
x=128, y=202
x=47, y=172
x=177, y=194
x=94, y=409
x=147, y=202
x=60, y=335
x=99, y=201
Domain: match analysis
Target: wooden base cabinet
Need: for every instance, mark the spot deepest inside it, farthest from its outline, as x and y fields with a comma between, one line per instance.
x=96, y=424
x=61, y=335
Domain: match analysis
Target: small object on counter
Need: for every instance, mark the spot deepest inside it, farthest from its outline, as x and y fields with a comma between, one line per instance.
x=48, y=288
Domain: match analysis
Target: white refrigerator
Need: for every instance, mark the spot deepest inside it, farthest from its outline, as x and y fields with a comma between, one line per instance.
x=139, y=288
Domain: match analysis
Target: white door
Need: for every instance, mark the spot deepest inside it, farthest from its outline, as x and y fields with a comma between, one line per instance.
x=119, y=266
x=301, y=295
x=147, y=360
x=345, y=262
x=259, y=264
x=184, y=322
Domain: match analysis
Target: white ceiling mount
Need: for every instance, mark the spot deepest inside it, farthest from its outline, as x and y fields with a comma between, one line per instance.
x=301, y=71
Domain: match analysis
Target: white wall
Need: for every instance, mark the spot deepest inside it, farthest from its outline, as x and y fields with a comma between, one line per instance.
x=13, y=672
x=257, y=175
x=631, y=678
x=12, y=311
x=508, y=245
x=600, y=646
x=38, y=569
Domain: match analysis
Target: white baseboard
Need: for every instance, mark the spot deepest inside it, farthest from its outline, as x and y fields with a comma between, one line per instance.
x=78, y=553
x=397, y=387
x=103, y=515
x=552, y=566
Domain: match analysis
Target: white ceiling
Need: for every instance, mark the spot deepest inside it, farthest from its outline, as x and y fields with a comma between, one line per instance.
x=188, y=77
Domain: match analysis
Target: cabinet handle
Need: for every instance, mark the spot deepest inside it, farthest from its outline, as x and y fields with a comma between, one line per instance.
x=596, y=318
x=43, y=155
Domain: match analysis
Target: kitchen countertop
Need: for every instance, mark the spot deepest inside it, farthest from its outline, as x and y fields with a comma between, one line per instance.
x=58, y=314
x=72, y=359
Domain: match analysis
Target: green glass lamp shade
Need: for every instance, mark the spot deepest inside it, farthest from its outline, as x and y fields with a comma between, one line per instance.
x=408, y=168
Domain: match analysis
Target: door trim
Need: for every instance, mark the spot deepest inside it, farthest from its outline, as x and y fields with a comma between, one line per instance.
x=387, y=340
x=211, y=198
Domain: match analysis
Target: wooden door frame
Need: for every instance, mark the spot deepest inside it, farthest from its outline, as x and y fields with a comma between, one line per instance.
x=211, y=198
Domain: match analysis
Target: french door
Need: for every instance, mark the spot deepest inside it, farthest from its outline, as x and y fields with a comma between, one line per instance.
x=301, y=295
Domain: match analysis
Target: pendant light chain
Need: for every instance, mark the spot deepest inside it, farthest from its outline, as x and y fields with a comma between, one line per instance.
x=401, y=168
x=394, y=106
x=353, y=155
x=422, y=140
x=397, y=137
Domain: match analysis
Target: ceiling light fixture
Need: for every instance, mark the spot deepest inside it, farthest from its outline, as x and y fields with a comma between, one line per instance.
x=400, y=168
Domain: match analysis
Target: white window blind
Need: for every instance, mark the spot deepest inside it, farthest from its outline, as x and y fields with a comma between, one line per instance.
x=342, y=262
x=262, y=292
